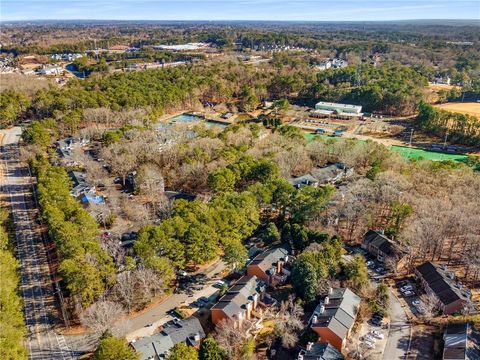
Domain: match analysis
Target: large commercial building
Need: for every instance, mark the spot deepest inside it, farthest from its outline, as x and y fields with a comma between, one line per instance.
x=347, y=111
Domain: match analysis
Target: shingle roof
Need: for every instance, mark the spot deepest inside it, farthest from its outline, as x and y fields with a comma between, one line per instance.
x=445, y=289
x=236, y=298
x=322, y=351
x=339, y=313
x=381, y=242
x=306, y=179
x=269, y=258
x=455, y=341
x=184, y=331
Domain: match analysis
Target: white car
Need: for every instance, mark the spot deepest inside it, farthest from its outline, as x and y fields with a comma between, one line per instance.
x=368, y=338
x=416, y=302
x=377, y=334
x=420, y=309
x=406, y=288
x=368, y=344
x=408, y=293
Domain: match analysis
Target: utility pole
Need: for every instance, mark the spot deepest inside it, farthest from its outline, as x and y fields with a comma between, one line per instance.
x=445, y=141
x=411, y=136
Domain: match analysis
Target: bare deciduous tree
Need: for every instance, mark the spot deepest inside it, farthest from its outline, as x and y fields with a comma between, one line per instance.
x=232, y=337
x=101, y=316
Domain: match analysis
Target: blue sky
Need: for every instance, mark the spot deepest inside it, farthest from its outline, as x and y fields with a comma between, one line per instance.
x=313, y=10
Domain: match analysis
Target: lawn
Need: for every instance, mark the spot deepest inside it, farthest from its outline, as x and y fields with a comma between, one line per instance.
x=415, y=153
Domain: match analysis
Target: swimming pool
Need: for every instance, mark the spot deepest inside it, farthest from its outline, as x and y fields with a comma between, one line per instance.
x=189, y=118
x=185, y=118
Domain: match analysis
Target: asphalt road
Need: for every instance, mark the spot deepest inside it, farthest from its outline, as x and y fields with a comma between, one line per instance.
x=399, y=331
x=41, y=313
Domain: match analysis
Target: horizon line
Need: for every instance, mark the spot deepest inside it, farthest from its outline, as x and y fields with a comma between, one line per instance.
x=247, y=20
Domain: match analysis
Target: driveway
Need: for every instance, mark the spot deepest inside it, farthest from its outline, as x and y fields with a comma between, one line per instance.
x=157, y=315
x=398, y=342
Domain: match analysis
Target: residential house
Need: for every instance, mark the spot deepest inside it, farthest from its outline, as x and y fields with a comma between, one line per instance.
x=436, y=280
x=241, y=301
x=442, y=80
x=80, y=184
x=455, y=340
x=304, y=180
x=319, y=351
x=334, y=317
x=157, y=346
x=339, y=63
x=332, y=173
x=269, y=266
x=383, y=248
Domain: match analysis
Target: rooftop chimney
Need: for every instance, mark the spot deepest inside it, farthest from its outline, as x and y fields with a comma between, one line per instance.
x=322, y=309
x=327, y=300
x=309, y=346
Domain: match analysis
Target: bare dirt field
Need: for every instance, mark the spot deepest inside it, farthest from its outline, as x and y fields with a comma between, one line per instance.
x=470, y=108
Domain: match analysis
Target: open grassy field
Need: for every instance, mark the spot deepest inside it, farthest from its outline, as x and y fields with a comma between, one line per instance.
x=416, y=153
x=470, y=108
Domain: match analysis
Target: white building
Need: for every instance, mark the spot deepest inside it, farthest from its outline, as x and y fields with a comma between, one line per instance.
x=337, y=109
x=50, y=70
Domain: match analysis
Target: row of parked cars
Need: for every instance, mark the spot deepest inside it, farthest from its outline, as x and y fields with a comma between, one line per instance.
x=369, y=339
x=407, y=289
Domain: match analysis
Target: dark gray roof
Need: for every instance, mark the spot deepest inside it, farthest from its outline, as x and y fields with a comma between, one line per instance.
x=381, y=242
x=182, y=331
x=303, y=180
x=322, y=351
x=455, y=341
x=446, y=290
x=237, y=297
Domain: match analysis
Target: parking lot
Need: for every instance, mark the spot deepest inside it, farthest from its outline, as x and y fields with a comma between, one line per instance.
x=413, y=296
x=371, y=338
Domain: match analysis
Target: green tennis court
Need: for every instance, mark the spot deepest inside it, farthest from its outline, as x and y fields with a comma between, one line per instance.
x=415, y=153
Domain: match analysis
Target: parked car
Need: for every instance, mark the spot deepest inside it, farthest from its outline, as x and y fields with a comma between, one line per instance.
x=416, y=302
x=368, y=344
x=204, y=300
x=420, y=309
x=368, y=337
x=375, y=322
x=408, y=293
x=406, y=288
x=370, y=264
x=377, y=334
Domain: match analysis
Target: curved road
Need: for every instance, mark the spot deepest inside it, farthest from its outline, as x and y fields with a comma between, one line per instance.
x=41, y=313
x=398, y=341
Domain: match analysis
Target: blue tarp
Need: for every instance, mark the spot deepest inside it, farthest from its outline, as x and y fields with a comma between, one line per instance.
x=96, y=199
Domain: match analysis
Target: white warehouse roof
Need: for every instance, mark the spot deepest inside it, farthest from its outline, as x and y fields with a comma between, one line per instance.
x=348, y=108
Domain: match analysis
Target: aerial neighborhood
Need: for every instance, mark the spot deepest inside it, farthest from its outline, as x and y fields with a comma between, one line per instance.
x=216, y=190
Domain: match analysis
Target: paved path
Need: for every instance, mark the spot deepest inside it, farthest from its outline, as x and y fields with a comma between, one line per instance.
x=41, y=313
x=157, y=315
x=399, y=331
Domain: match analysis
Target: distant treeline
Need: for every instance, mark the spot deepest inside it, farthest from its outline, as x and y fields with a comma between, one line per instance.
x=462, y=128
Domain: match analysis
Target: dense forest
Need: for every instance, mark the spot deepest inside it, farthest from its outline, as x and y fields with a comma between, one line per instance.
x=86, y=268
